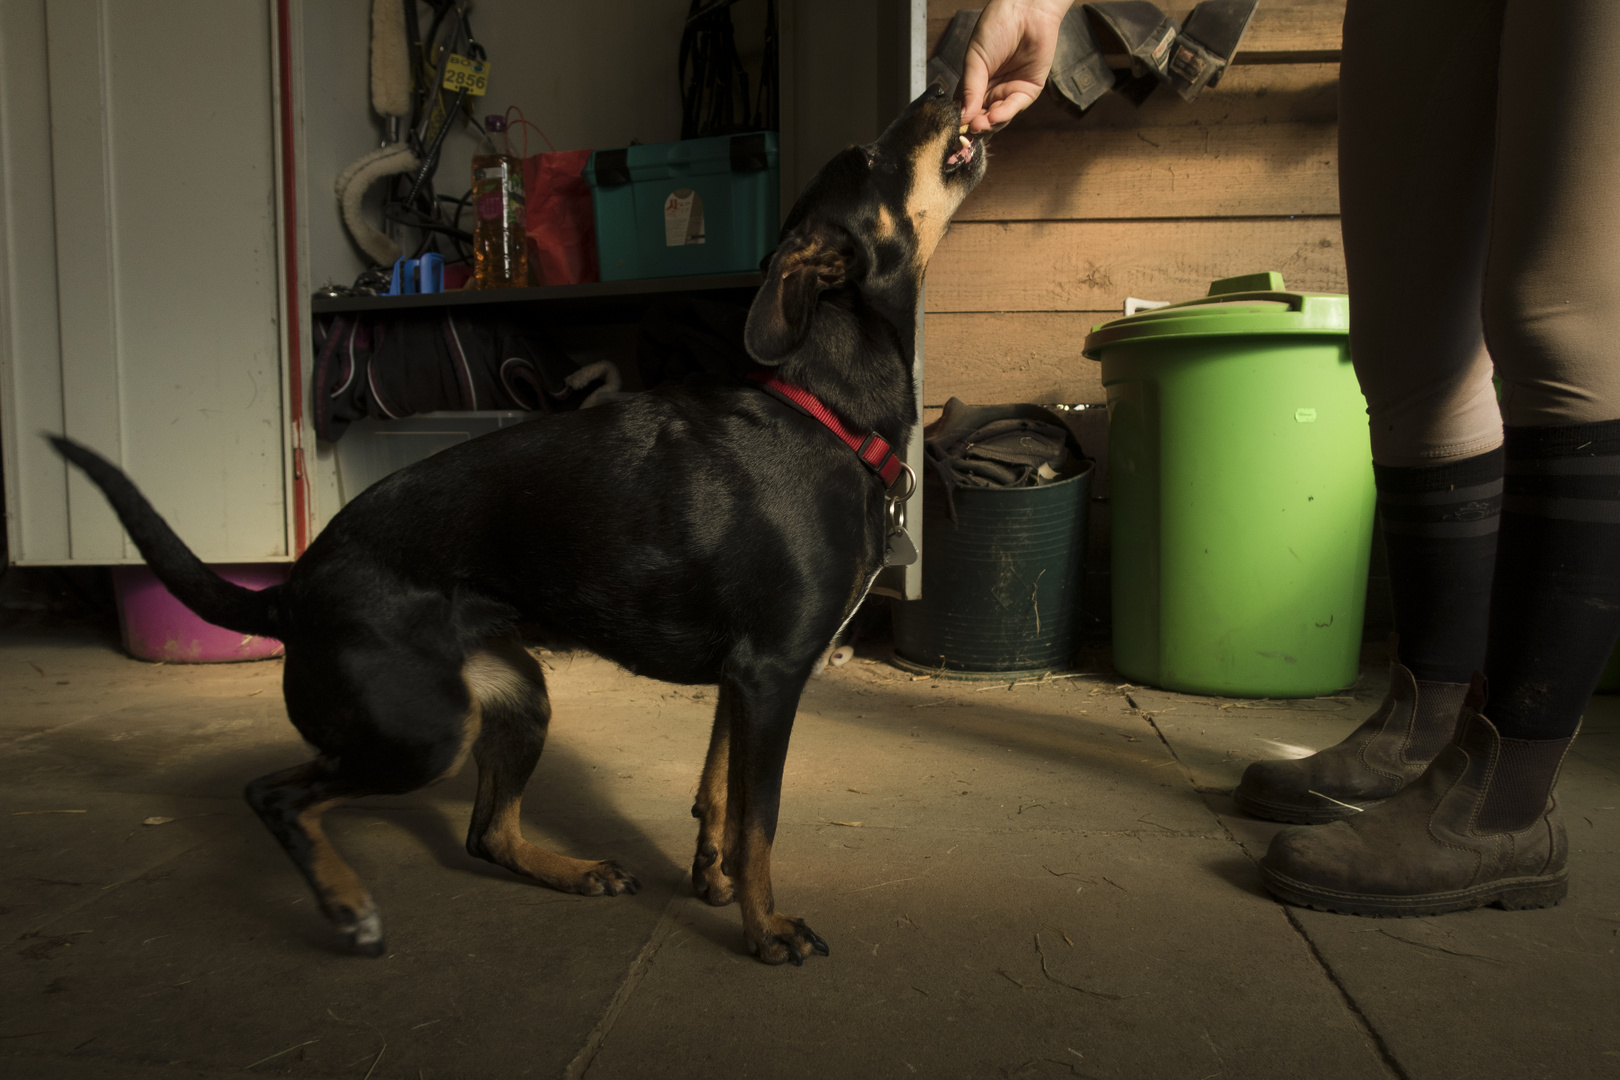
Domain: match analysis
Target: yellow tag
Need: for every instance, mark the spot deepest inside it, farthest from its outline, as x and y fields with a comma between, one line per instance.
x=469, y=75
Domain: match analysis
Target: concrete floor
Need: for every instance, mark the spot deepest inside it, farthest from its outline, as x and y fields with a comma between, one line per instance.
x=1040, y=881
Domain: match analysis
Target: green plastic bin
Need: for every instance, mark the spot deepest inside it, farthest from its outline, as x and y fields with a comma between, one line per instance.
x=699, y=206
x=1241, y=489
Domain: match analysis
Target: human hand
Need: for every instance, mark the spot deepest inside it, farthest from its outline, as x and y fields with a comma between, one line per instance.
x=1008, y=59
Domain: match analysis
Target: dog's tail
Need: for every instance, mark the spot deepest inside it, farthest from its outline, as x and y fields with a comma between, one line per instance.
x=212, y=597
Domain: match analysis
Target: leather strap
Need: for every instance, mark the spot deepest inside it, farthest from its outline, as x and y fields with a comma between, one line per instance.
x=872, y=448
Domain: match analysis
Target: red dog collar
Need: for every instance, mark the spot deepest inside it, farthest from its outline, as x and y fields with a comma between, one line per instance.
x=872, y=448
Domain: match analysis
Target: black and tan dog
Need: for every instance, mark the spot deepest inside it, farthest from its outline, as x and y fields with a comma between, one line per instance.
x=701, y=533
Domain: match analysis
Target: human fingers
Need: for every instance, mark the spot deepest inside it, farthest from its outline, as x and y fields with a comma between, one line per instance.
x=1009, y=58
x=975, y=82
x=999, y=112
x=995, y=43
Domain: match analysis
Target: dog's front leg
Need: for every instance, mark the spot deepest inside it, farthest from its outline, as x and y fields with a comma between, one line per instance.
x=709, y=879
x=759, y=703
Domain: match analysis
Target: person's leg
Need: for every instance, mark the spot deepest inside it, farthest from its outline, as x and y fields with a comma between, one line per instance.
x=1416, y=129
x=1482, y=827
x=1552, y=317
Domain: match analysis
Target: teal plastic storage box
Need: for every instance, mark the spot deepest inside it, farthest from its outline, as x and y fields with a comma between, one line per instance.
x=699, y=206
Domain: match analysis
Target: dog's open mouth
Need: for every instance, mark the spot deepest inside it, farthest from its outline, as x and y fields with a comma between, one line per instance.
x=962, y=149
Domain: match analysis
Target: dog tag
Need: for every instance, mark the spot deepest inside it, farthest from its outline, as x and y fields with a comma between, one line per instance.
x=901, y=552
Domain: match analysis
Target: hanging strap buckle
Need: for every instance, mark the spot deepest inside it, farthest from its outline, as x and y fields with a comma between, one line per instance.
x=897, y=503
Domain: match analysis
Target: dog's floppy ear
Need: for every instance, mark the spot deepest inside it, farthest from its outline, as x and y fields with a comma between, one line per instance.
x=803, y=265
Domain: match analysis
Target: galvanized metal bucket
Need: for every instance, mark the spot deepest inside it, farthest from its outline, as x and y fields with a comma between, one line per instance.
x=1001, y=584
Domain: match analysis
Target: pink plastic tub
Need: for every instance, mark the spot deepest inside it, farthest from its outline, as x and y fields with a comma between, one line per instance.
x=156, y=626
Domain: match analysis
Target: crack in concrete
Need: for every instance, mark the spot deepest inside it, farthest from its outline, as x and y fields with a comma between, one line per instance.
x=581, y=1064
x=1160, y=733
x=1386, y=1056
x=90, y=898
x=1103, y=994
x=1439, y=948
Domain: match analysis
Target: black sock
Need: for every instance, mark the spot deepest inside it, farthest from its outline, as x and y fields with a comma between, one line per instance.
x=1440, y=533
x=1555, y=603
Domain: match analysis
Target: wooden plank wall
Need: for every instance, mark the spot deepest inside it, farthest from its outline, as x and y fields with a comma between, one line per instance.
x=1077, y=213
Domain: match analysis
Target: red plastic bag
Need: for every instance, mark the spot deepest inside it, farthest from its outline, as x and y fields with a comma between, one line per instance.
x=558, y=219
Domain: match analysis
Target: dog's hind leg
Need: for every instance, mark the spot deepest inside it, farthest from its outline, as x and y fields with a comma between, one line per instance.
x=709, y=878
x=759, y=697
x=509, y=694
x=291, y=803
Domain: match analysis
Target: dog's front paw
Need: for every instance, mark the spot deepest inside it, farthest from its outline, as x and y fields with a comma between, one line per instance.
x=785, y=938
x=708, y=880
x=362, y=929
x=607, y=878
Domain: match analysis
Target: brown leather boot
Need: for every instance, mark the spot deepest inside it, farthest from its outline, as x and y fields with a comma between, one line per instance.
x=1480, y=827
x=1382, y=756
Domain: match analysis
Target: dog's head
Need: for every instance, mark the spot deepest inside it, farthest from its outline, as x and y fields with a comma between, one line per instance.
x=867, y=224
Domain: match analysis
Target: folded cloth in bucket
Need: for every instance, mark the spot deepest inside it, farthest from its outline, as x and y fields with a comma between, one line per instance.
x=999, y=446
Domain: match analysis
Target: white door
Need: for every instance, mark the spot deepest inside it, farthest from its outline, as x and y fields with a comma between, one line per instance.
x=141, y=274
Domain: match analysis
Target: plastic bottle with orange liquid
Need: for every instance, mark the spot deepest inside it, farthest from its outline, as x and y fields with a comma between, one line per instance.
x=500, y=258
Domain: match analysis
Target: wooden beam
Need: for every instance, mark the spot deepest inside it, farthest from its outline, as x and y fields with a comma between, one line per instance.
x=1094, y=265
x=1262, y=94
x=986, y=358
x=1293, y=32
x=1245, y=170
x=1283, y=31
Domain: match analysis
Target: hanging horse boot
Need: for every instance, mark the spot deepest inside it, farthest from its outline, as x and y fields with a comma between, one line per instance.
x=1078, y=71
x=1145, y=34
x=945, y=66
x=1207, y=44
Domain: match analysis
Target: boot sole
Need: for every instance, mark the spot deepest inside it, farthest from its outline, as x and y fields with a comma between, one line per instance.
x=1295, y=814
x=1509, y=894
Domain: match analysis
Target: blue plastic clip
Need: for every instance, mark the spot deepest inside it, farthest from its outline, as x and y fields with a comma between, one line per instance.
x=424, y=275
x=431, y=276
x=403, y=269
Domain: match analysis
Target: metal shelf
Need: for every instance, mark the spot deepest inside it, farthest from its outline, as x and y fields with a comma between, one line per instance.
x=603, y=301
